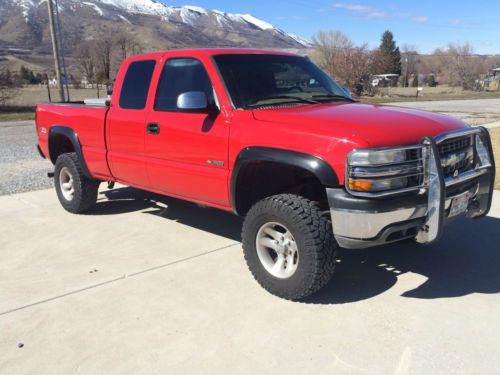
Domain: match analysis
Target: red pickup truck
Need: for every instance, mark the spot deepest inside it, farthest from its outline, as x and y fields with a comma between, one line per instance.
x=270, y=136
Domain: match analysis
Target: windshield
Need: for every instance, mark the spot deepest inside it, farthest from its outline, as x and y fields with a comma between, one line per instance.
x=263, y=80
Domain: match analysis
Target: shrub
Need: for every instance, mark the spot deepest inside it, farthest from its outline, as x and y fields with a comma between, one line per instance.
x=432, y=81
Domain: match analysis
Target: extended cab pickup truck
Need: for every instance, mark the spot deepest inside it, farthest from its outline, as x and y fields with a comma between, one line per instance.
x=270, y=136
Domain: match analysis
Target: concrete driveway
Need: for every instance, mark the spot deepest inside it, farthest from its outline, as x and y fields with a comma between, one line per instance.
x=152, y=285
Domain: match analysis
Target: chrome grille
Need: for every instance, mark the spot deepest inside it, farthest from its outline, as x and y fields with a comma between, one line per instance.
x=454, y=145
x=457, y=155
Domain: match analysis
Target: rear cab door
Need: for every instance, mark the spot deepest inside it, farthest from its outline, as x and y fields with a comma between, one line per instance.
x=187, y=153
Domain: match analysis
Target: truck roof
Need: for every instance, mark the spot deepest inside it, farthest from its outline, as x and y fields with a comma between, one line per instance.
x=213, y=51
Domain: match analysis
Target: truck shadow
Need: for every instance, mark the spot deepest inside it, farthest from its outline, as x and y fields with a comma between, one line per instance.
x=466, y=260
x=125, y=200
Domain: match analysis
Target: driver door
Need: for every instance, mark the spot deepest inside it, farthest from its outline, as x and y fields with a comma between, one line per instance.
x=187, y=153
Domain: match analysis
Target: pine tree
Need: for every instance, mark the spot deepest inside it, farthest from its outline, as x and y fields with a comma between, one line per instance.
x=432, y=81
x=415, y=82
x=24, y=73
x=390, y=53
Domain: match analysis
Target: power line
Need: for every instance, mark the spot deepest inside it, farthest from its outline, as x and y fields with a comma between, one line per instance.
x=61, y=44
x=55, y=49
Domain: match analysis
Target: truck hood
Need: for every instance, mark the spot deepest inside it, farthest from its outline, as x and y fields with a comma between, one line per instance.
x=377, y=125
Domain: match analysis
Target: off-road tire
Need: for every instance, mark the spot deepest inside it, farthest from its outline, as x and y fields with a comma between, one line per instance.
x=315, y=241
x=85, y=189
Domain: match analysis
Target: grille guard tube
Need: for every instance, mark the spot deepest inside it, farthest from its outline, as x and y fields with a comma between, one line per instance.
x=436, y=191
x=364, y=221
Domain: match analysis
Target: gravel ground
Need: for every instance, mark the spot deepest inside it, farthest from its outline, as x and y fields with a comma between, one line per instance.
x=22, y=168
x=474, y=112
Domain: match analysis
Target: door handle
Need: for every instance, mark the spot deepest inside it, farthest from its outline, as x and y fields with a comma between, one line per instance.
x=153, y=128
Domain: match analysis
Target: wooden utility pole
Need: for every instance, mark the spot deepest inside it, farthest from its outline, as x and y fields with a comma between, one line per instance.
x=55, y=49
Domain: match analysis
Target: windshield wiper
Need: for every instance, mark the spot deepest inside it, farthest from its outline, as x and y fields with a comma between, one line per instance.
x=332, y=96
x=294, y=98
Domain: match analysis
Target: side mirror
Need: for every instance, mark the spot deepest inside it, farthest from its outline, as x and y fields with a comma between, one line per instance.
x=192, y=101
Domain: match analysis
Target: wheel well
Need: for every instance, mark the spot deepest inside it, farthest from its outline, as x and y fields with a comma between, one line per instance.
x=59, y=144
x=260, y=179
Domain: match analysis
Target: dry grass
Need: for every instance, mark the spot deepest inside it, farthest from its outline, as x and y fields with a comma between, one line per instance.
x=495, y=140
x=21, y=106
x=17, y=116
x=33, y=95
x=405, y=94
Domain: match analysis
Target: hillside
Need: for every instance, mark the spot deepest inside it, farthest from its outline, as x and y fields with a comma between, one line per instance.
x=24, y=34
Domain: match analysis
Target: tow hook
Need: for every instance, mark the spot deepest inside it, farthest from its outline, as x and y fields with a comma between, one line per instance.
x=111, y=184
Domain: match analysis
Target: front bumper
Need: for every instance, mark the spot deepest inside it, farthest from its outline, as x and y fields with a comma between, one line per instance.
x=361, y=222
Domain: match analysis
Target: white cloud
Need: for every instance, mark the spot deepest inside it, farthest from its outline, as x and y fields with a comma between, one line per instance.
x=352, y=7
x=420, y=19
x=377, y=14
x=367, y=12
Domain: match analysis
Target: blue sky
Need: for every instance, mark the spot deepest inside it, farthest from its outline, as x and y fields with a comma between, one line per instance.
x=425, y=24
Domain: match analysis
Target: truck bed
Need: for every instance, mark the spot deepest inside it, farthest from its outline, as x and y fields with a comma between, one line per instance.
x=89, y=123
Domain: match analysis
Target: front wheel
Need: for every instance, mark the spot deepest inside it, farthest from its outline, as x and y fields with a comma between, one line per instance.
x=76, y=192
x=289, y=246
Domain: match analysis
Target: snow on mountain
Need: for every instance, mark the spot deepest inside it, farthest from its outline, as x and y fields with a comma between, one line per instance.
x=26, y=6
x=188, y=14
x=150, y=7
x=257, y=22
x=95, y=7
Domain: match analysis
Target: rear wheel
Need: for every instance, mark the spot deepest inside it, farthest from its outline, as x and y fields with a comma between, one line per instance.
x=289, y=246
x=76, y=192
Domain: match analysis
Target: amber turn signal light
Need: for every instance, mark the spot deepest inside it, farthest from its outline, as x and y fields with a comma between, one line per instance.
x=360, y=185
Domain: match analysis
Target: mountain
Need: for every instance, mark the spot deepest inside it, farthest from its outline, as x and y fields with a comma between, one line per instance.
x=24, y=26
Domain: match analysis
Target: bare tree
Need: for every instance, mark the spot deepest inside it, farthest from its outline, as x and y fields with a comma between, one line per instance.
x=103, y=51
x=337, y=54
x=127, y=44
x=86, y=59
x=328, y=45
x=410, y=59
x=458, y=65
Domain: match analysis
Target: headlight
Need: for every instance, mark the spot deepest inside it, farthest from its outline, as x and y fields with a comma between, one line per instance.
x=369, y=157
x=381, y=171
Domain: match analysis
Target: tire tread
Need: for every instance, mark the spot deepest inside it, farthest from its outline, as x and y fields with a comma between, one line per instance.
x=320, y=242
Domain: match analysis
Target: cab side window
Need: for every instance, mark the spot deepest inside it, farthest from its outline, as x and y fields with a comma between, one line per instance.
x=134, y=93
x=181, y=75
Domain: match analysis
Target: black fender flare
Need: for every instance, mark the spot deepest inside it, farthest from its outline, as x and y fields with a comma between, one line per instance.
x=67, y=132
x=313, y=164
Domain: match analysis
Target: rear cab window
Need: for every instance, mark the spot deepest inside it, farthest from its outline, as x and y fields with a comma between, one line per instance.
x=135, y=88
